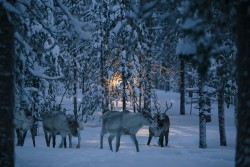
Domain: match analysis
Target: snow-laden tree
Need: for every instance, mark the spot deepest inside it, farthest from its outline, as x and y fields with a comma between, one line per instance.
x=141, y=21
x=129, y=62
x=102, y=11
x=114, y=43
x=34, y=42
x=156, y=42
x=203, y=23
x=37, y=57
x=73, y=46
x=222, y=79
x=166, y=17
x=51, y=26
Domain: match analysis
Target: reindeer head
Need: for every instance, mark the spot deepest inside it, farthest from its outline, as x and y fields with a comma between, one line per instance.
x=80, y=122
x=159, y=117
x=74, y=124
x=149, y=120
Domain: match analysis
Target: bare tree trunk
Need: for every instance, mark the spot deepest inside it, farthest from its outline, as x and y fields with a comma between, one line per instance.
x=140, y=89
x=243, y=61
x=103, y=81
x=7, y=101
x=202, y=116
x=148, y=87
x=221, y=117
x=124, y=80
x=182, y=88
x=140, y=82
x=75, y=89
x=105, y=101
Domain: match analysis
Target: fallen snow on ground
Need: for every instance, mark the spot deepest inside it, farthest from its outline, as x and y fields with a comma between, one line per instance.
x=182, y=150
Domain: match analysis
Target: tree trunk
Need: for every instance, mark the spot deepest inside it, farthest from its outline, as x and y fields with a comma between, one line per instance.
x=221, y=117
x=104, y=83
x=182, y=88
x=7, y=101
x=140, y=89
x=124, y=95
x=243, y=61
x=75, y=90
x=208, y=109
x=148, y=87
x=140, y=83
x=202, y=116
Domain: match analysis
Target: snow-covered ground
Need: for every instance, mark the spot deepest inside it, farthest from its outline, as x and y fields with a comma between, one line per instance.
x=182, y=150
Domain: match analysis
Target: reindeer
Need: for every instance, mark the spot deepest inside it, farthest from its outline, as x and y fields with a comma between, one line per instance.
x=22, y=124
x=74, y=124
x=58, y=123
x=123, y=123
x=162, y=128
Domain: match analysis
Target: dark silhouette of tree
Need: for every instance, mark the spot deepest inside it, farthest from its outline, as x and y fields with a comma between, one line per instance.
x=243, y=70
x=182, y=87
x=6, y=89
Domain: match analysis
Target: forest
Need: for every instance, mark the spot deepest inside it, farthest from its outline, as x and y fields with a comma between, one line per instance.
x=85, y=58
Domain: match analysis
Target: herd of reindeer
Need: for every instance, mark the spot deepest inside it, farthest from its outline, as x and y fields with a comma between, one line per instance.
x=115, y=123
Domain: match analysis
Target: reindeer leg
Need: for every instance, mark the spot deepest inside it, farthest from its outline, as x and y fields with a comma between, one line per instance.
x=50, y=136
x=32, y=131
x=46, y=138
x=23, y=138
x=61, y=145
x=103, y=132
x=53, y=140
x=166, y=137
x=70, y=141
x=79, y=139
x=101, y=141
x=65, y=142
x=110, y=138
x=118, y=138
x=133, y=137
x=161, y=138
x=149, y=138
x=19, y=137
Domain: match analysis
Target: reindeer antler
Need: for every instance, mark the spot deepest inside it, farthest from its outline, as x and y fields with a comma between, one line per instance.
x=157, y=104
x=168, y=107
x=157, y=109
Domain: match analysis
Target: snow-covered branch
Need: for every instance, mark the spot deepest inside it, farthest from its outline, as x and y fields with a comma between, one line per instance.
x=81, y=28
x=40, y=73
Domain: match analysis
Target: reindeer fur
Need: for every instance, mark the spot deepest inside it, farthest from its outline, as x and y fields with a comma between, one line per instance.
x=123, y=123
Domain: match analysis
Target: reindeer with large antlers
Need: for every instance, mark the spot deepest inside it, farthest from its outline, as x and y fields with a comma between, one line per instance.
x=162, y=128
